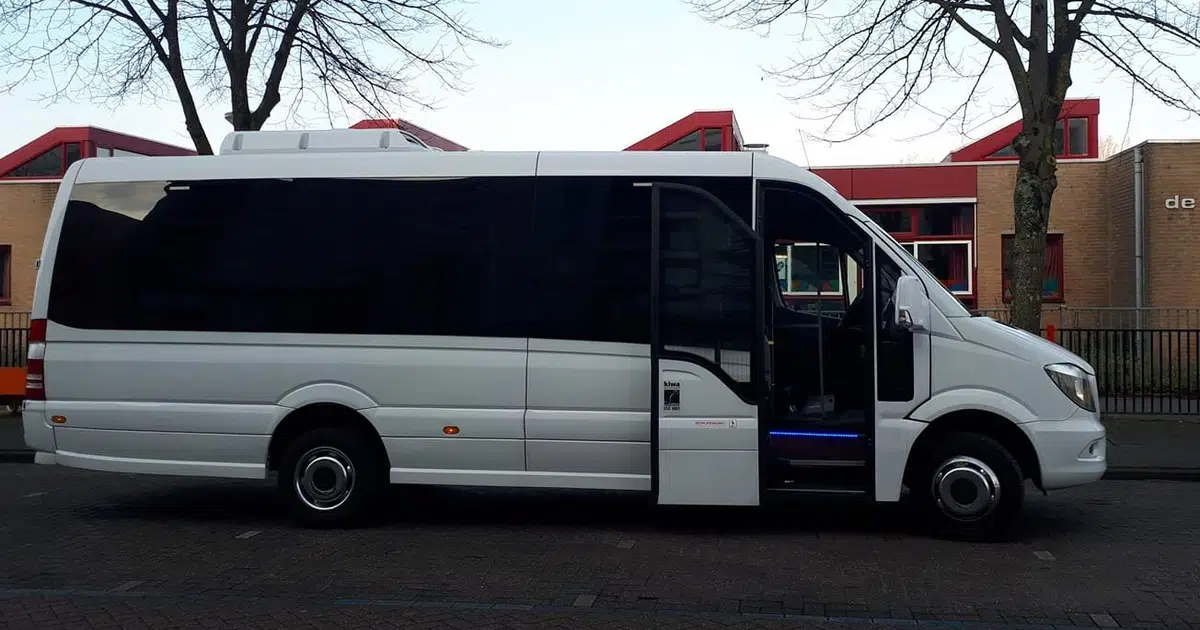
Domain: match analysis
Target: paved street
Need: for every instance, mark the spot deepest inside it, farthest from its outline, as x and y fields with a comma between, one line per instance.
x=83, y=550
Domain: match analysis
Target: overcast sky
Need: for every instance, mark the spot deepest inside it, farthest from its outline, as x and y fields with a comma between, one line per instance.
x=602, y=75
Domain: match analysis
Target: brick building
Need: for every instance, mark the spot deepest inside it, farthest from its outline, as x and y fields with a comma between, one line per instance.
x=955, y=216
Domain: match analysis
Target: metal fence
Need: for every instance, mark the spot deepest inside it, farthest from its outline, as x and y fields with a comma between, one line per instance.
x=14, y=339
x=1147, y=360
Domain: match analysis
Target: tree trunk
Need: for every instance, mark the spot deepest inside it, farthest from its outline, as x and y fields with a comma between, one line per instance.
x=1034, y=189
x=191, y=114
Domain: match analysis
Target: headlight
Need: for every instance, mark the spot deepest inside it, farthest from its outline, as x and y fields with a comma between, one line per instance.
x=1073, y=382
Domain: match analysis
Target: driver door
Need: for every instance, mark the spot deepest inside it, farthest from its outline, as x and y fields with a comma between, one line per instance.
x=903, y=358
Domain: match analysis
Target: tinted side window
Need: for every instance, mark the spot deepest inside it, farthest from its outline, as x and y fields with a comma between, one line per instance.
x=590, y=276
x=305, y=256
x=590, y=272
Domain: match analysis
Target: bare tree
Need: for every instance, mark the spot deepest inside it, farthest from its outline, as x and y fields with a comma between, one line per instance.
x=362, y=54
x=917, y=157
x=1110, y=146
x=870, y=60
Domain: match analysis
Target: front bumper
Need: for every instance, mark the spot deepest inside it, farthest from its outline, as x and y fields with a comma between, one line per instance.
x=1071, y=452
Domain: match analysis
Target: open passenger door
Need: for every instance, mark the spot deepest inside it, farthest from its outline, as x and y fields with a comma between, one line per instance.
x=707, y=350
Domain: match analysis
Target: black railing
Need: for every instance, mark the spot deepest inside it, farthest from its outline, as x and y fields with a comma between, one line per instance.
x=1147, y=360
x=1141, y=371
x=14, y=339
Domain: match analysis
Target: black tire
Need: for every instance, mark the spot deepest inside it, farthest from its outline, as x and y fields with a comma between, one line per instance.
x=327, y=453
x=963, y=452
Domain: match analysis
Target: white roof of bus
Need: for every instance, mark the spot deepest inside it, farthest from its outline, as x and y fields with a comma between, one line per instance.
x=447, y=164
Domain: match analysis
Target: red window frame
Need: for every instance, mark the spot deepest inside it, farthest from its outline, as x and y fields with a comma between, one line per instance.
x=914, y=224
x=1065, y=135
x=1087, y=140
x=1054, y=267
x=913, y=236
x=63, y=165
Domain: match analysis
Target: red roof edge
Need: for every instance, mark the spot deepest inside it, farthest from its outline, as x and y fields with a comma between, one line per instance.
x=95, y=135
x=981, y=149
x=682, y=127
x=425, y=135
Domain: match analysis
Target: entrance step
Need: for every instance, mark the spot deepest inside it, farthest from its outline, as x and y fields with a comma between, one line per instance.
x=828, y=473
x=798, y=490
x=825, y=463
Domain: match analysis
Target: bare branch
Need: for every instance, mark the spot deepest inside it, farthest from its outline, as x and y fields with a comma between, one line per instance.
x=863, y=62
x=368, y=55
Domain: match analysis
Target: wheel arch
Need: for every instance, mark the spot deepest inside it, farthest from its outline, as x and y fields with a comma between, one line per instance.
x=1005, y=431
x=316, y=415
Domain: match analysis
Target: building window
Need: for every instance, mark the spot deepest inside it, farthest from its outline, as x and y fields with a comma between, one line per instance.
x=808, y=269
x=1052, y=284
x=712, y=139
x=104, y=152
x=73, y=154
x=690, y=142
x=893, y=220
x=1070, y=140
x=48, y=164
x=950, y=220
x=945, y=220
x=1006, y=152
x=1077, y=136
x=5, y=275
x=949, y=262
x=124, y=153
x=940, y=236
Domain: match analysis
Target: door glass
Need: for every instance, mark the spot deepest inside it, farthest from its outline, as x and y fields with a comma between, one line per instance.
x=706, y=290
x=895, y=345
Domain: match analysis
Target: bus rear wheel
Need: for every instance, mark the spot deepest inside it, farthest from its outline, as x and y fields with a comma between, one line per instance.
x=330, y=477
x=970, y=486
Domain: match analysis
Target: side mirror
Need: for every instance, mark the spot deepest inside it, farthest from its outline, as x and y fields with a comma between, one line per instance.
x=912, y=305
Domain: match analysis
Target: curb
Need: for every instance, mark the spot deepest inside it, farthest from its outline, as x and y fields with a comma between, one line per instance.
x=1152, y=474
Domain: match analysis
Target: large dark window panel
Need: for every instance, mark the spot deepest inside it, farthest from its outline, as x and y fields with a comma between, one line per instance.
x=590, y=272
x=442, y=257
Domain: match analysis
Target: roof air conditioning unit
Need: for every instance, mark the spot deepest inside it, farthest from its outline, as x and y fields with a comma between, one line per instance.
x=323, y=141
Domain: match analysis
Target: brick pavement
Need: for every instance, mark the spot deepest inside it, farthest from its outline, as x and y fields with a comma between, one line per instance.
x=1124, y=553
x=53, y=612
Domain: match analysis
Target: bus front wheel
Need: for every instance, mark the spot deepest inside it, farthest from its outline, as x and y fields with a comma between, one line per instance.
x=970, y=486
x=330, y=477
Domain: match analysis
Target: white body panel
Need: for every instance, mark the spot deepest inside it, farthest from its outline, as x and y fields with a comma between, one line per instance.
x=531, y=412
x=708, y=442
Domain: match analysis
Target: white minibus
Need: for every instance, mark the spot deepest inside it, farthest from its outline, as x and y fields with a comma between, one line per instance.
x=345, y=309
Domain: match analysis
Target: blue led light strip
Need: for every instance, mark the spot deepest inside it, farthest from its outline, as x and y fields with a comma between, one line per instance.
x=815, y=434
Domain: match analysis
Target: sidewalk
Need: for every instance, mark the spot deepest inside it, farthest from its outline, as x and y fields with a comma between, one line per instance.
x=1145, y=447
x=1139, y=447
